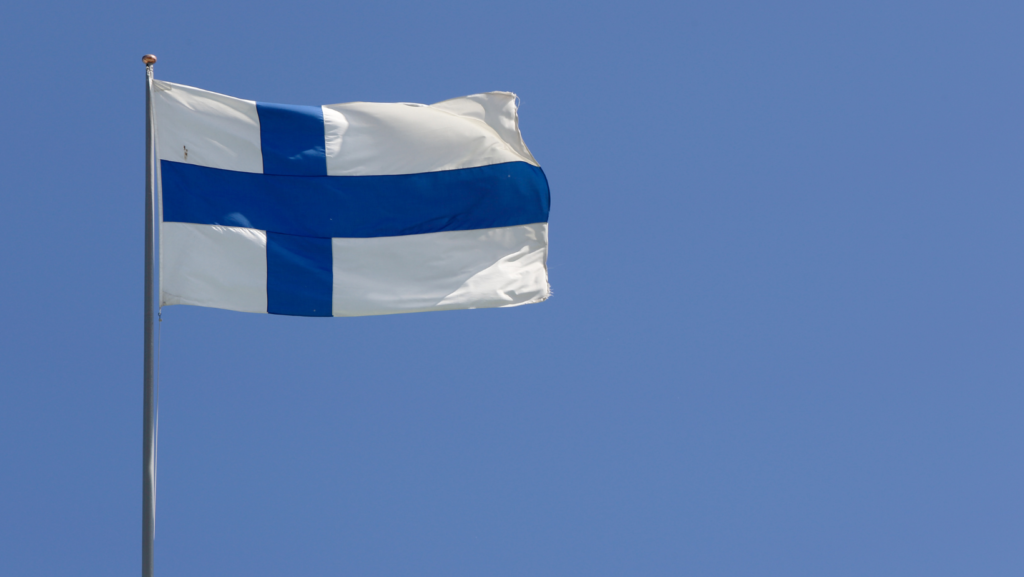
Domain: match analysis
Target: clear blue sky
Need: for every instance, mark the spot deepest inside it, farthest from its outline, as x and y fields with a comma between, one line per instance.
x=785, y=337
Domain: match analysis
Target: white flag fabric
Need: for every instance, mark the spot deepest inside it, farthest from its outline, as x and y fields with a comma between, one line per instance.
x=347, y=209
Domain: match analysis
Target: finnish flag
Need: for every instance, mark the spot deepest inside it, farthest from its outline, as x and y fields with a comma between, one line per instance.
x=347, y=209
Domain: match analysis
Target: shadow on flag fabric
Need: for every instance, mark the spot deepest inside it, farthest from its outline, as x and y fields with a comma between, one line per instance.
x=347, y=209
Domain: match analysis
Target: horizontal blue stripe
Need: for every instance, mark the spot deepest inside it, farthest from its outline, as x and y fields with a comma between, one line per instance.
x=507, y=194
x=292, y=139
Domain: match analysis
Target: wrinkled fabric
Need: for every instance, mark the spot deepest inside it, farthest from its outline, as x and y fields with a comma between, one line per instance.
x=237, y=193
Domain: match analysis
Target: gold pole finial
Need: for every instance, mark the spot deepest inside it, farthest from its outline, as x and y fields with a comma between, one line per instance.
x=149, y=59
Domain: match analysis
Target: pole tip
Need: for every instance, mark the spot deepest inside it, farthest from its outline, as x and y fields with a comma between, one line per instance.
x=149, y=59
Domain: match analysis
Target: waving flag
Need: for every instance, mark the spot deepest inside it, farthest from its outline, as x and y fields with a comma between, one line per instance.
x=347, y=209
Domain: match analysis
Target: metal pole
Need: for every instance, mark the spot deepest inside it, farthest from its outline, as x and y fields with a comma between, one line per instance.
x=148, y=445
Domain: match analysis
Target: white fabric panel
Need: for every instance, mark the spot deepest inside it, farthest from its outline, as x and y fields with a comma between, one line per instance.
x=217, y=130
x=213, y=266
x=493, y=267
x=497, y=110
x=335, y=127
x=368, y=138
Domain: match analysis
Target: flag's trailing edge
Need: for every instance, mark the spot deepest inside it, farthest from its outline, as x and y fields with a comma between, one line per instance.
x=347, y=209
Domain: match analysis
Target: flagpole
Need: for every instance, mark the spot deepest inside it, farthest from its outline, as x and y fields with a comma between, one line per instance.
x=148, y=437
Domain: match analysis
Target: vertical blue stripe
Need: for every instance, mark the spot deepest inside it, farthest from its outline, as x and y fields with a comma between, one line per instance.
x=300, y=275
x=292, y=138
